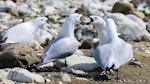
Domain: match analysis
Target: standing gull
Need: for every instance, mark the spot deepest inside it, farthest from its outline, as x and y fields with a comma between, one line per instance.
x=24, y=32
x=65, y=44
x=100, y=26
x=114, y=52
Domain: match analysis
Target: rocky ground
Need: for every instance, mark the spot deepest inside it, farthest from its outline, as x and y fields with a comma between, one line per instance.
x=131, y=16
x=128, y=74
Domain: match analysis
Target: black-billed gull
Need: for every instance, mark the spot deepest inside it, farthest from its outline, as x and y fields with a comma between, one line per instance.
x=114, y=52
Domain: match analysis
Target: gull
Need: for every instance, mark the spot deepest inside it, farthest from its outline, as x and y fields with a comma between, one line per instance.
x=65, y=44
x=114, y=52
x=100, y=26
x=23, y=32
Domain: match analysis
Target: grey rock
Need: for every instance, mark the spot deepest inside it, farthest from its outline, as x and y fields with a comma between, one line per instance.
x=83, y=79
x=139, y=49
x=67, y=69
x=60, y=63
x=16, y=55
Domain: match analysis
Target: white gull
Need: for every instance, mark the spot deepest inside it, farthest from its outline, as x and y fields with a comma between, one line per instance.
x=23, y=32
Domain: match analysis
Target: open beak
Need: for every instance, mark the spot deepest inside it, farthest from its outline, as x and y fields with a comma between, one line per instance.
x=48, y=19
x=85, y=19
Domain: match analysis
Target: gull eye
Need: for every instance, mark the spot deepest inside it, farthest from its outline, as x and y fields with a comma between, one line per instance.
x=42, y=19
x=95, y=17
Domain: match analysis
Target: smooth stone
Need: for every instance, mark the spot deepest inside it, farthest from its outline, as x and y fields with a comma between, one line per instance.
x=65, y=77
x=123, y=7
x=23, y=75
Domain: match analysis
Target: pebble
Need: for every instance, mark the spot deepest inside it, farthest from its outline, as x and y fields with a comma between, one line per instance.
x=135, y=62
x=147, y=51
x=65, y=77
x=83, y=79
x=138, y=49
x=67, y=69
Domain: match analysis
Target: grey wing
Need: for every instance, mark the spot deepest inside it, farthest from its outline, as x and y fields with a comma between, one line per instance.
x=60, y=49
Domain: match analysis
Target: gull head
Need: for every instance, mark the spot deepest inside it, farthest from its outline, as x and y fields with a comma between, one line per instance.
x=40, y=21
x=97, y=20
x=75, y=18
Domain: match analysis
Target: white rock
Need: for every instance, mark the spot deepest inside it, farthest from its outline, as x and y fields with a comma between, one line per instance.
x=78, y=62
x=127, y=26
x=65, y=77
x=49, y=10
x=3, y=80
x=79, y=72
x=136, y=19
x=36, y=45
x=47, y=80
x=23, y=10
x=59, y=82
x=50, y=64
x=5, y=16
x=60, y=63
x=3, y=27
x=4, y=72
x=147, y=51
x=23, y=75
x=81, y=62
x=78, y=52
x=83, y=79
